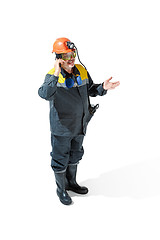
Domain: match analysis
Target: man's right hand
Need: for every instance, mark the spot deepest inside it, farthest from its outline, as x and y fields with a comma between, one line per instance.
x=57, y=66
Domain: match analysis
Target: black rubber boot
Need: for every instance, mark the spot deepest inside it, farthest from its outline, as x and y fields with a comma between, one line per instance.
x=61, y=188
x=71, y=181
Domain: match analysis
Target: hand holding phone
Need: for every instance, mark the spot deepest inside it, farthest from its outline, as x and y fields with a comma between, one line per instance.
x=57, y=66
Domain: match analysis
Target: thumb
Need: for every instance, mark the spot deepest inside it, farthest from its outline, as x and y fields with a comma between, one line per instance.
x=109, y=79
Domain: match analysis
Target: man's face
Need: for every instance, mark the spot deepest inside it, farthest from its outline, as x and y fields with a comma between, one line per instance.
x=69, y=59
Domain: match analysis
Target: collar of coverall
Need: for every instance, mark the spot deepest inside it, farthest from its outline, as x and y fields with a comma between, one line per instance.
x=65, y=73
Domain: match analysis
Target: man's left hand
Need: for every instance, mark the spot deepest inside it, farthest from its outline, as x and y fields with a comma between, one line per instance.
x=110, y=85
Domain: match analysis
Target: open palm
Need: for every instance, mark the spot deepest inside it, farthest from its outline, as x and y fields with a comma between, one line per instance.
x=110, y=85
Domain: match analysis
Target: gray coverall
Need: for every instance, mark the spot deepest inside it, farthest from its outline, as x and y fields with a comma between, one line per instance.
x=69, y=114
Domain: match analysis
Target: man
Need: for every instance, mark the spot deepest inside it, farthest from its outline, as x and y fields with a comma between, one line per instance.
x=67, y=87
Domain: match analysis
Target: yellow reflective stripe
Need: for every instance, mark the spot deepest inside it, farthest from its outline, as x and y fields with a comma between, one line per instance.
x=83, y=71
x=51, y=72
x=61, y=79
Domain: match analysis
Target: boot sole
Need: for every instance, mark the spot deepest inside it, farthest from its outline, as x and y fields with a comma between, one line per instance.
x=76, y=191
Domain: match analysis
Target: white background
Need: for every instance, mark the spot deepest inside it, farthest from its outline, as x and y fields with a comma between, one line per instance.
x=121, y=165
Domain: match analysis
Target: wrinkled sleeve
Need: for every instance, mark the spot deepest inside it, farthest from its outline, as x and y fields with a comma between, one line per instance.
x=95, y=89
x=49, y=87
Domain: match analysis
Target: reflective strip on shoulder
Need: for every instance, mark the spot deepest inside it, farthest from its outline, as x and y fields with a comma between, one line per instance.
x=51, y=72
x=61, y=79
x=83, y=71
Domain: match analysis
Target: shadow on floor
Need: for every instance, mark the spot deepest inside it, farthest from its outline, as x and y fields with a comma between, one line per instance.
x=141, y=180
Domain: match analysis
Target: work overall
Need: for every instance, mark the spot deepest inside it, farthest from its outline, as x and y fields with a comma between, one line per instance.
x=69, y=113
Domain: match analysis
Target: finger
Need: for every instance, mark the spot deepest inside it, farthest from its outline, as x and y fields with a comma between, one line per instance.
x=58, y=61
x=61, y=61
x=115, y=85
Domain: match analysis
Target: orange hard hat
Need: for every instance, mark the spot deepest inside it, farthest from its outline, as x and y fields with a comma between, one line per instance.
x=60, y=46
